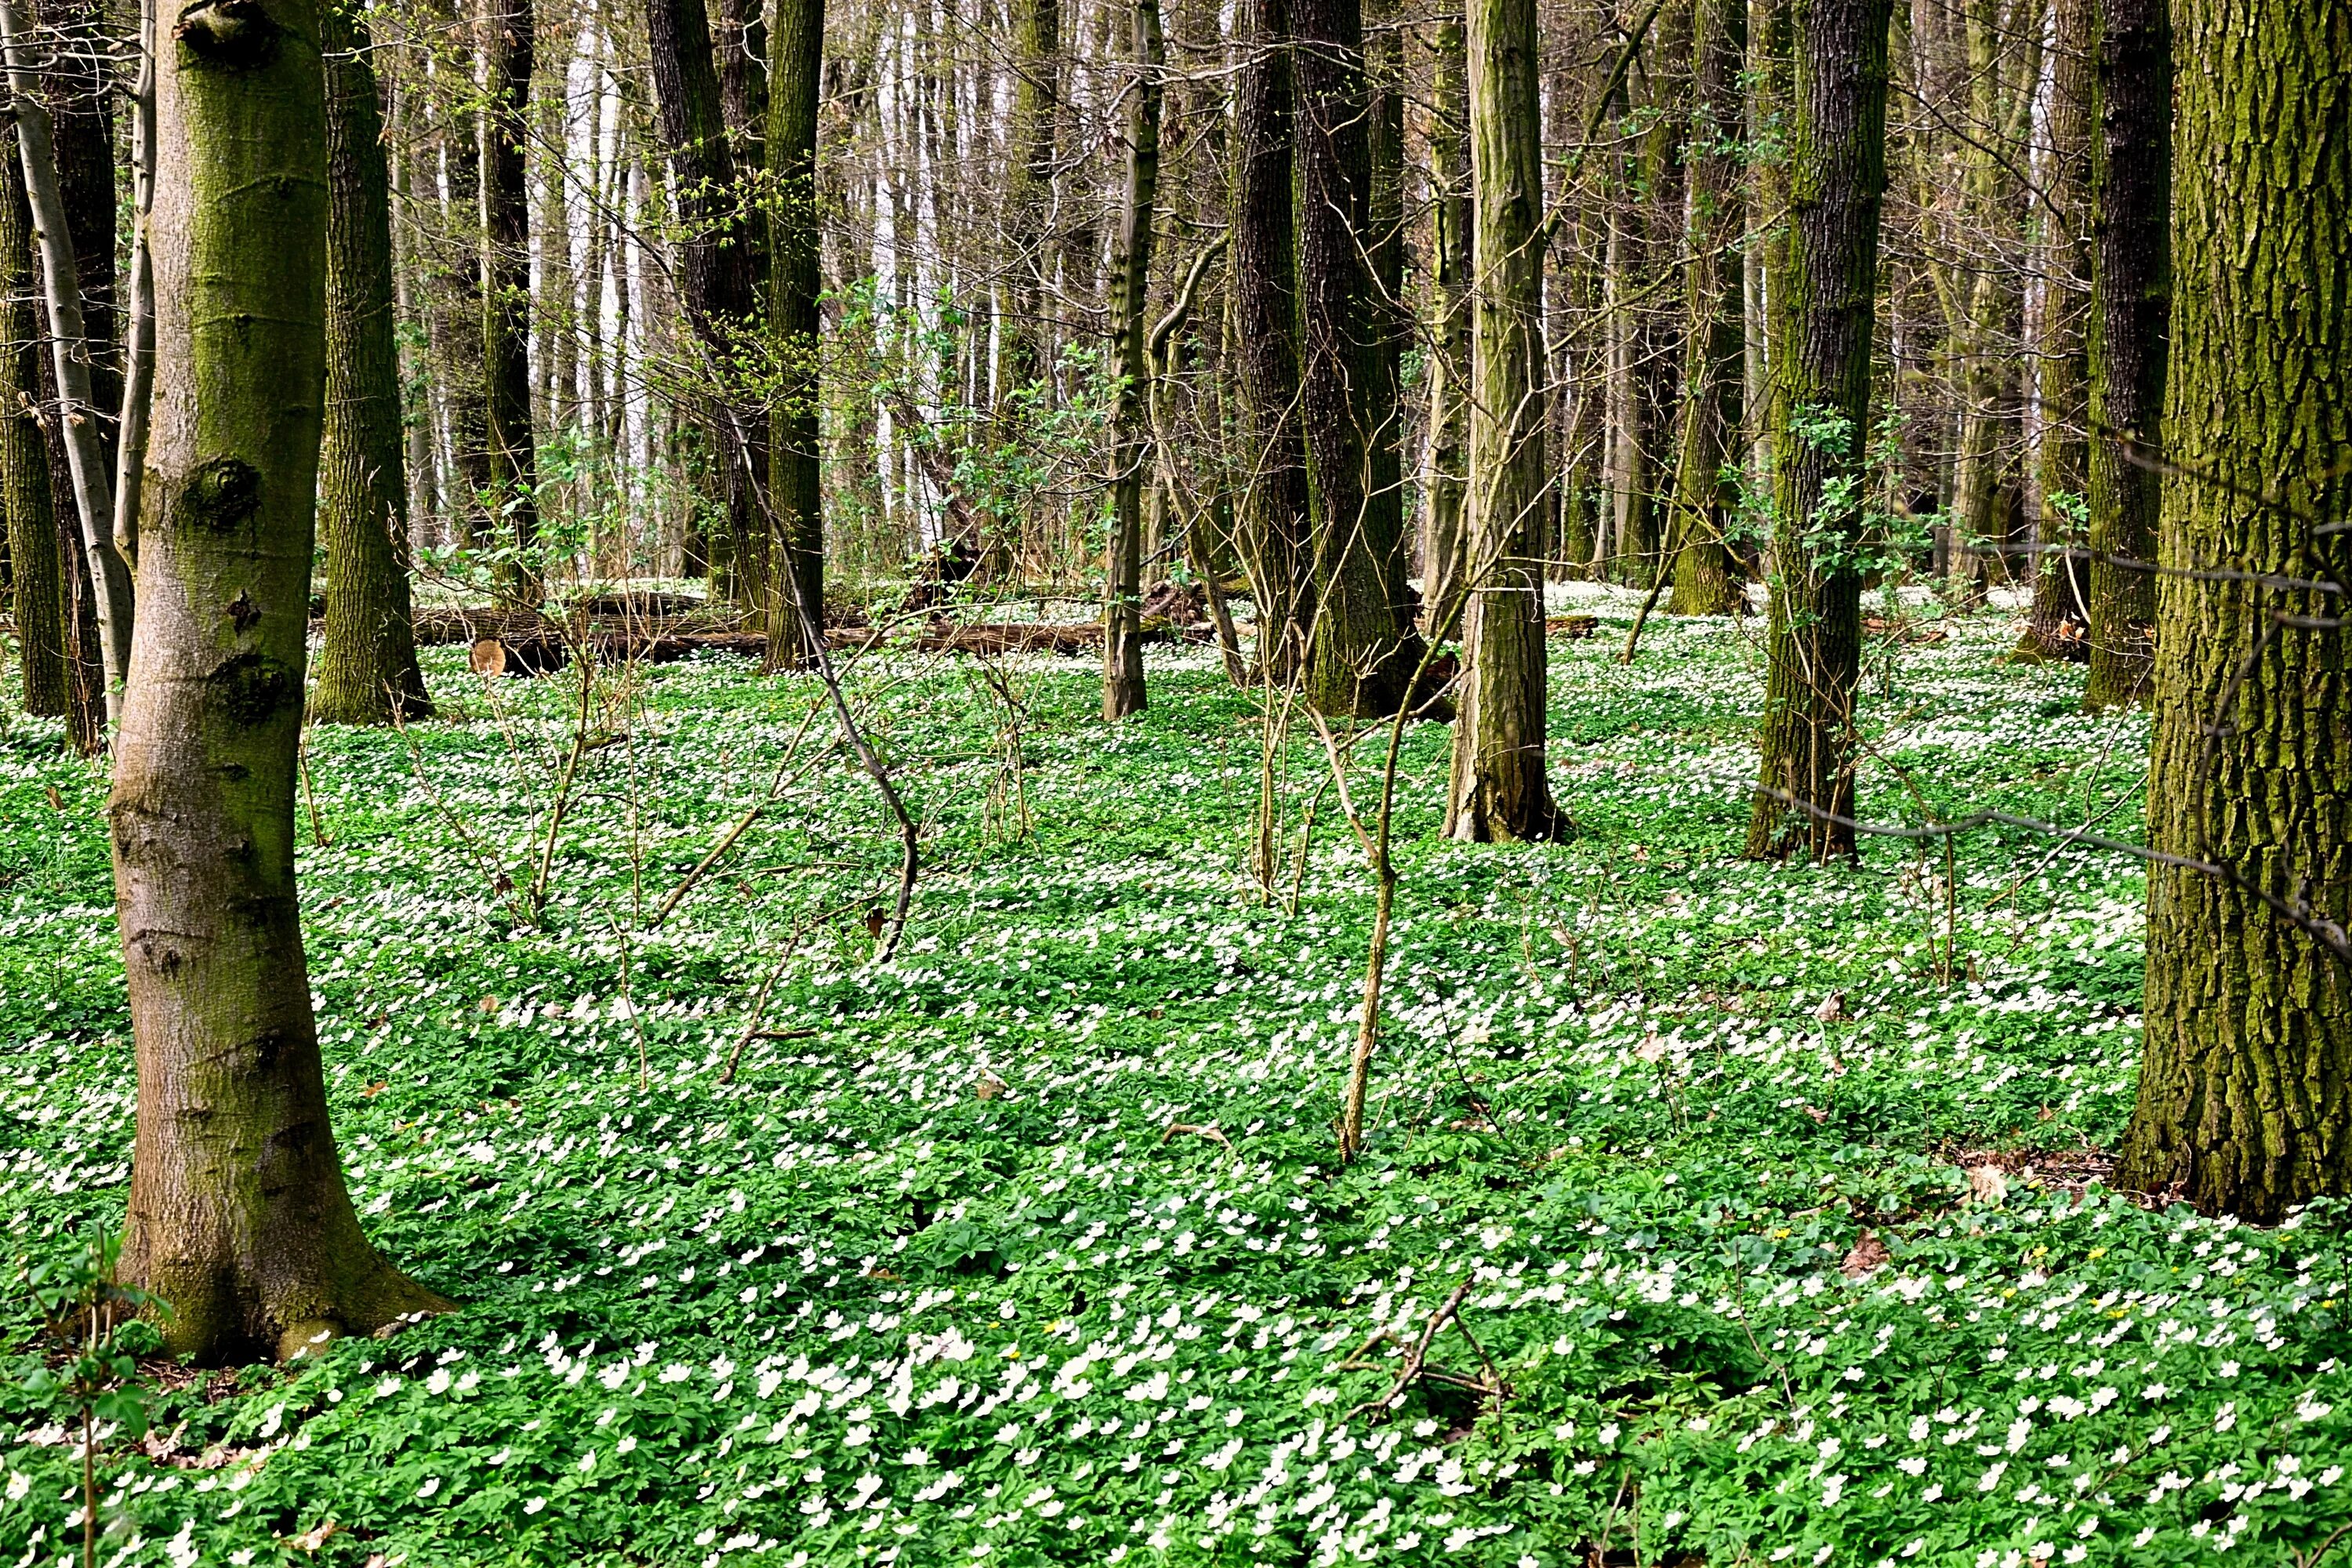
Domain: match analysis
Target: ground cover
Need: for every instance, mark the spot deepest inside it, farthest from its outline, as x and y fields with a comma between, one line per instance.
x=1766, y=1200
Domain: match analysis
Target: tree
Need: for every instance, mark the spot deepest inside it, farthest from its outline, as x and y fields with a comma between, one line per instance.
x=714, y=270
x=1498, y=789
x=1036, y=105
x=2060, y=615
x=238, y=1214
x=795, y=64
x=2131, y=307
x=37, y=590
x=1705, y=574
x=1275, y=541
x=367, y=670
x=1825, y=293
x=1441, y=544
x=1362, y=650
x=2245, y=1088
x=1131, y=372
x=512, y=477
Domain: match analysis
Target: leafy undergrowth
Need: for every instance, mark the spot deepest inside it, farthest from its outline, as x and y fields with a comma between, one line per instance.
x=1684, y=1140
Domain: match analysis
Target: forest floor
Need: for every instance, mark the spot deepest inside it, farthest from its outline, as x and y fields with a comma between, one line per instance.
x=1767, y=1201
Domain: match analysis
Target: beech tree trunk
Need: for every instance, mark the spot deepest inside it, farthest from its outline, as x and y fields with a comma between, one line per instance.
x=509, y=445
x=1707, y=580
x=1036, y=106
x=1131, y=365
x=795, y=488
x=367, y=658
x=2131, y=310
x=1498, y=790
x=2245, y=1091
x=238, y=1215
x=1442, y=544
x=1274, y=532
x=2061, y=614
x=1825, y=294
x=35, y=587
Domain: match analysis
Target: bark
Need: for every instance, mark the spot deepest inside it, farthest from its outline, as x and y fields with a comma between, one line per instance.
x=367, y=670
x=1442, y=542
x=35, y=587
x=1131, y=373
x=1820, y=410
x=1274, y=530
x=1387, y=328
x=2245, y=1091
x=509, y=445
x=1037, y=107
x=2131, y=308
x=1705, y=575
x=1498, y=790
x=1361, y=650
x=714, y=270
x=2056, y=627
x=453, y=293
x=795, y=66
x=238, y=1215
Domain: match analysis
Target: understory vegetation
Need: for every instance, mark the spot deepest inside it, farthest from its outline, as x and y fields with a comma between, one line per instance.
x=1711, y=1210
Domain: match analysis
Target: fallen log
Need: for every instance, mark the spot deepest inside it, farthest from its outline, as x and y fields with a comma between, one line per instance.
x=1571, y=627
x=1031, y=637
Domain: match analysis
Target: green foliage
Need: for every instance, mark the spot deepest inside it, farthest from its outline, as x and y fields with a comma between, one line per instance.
x=935, y=1280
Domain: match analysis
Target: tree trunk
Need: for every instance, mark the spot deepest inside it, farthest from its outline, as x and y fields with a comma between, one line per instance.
x=1386, y=327
x=1705, y=575
x=1498, y=790
x=238, y=1215
x=367, y=670
x=1821, y=414
x=2245, y=1091
x=2056, y=627
x=452, y=294
x=795, y=64
x=1361, y=651
x=1037, y=107
x=1130, y=369
x=508, y=52
x=2131, y=308
x=35, y=587
x=1441, y=544
x=1273, y=537
x=715, y=271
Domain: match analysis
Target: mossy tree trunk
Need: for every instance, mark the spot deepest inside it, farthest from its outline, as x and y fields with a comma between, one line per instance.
x=1826, y=292
x=2060, y=614
x=1705, y=574
x=1274, y=526
x=1029, y=194
x=1441, y=544
x=35, y=587
x=510, y=446
x=1131, y=365
x=1387, y=326
x=2131, y=310
x=367, y=670
x=238, y=1215
x=795, y=485
x=1498, y=790
x=2245, y=1091
x=1361, y=651
x=715, y=271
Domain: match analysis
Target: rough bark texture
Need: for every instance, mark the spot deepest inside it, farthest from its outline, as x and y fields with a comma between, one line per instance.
x=35, y=587
x=1825, y=291
x=2056, y=628
x=2245, y=1091
x=715, y=265
x=367, y=659
x=1498, y=790
x=1273, y=534
x=1036, y=106
x=1705, y=575
x=1449, y=331
x=1131, y=369
x=2131, y=307
x=795, y=490
x=1360, y=654
x=509, y=445
x=239, y=1216
x=1387, y=327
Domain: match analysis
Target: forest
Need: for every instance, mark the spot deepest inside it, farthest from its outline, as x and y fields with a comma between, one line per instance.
x=1563, y=785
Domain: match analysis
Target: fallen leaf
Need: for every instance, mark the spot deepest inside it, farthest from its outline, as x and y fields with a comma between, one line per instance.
x=987, y=1086
x=313, y=1538
x=1987, y=1185
x=874, y=923
x=1868, y=1254
x=371, y=1090
x=1817, y=1114
x=1832, y=1008
x=1652, y=1048
x=488, y=1004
